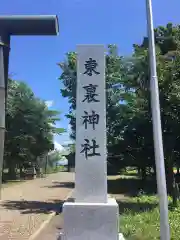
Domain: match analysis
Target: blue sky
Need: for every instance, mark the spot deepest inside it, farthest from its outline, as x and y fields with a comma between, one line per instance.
x=33, y=59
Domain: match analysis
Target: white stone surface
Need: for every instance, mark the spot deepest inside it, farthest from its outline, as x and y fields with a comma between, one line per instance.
x=91, y=221
x=91, y=173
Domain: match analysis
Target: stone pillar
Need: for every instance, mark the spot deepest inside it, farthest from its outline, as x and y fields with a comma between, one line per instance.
x=92, y=216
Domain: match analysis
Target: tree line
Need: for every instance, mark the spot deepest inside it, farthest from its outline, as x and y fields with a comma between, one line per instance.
x=30, y=127
x=129, y=119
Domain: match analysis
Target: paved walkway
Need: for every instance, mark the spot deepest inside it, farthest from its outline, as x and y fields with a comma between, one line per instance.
x=25, y=206
x=53, y=229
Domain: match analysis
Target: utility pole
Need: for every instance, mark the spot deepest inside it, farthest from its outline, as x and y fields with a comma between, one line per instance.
x=157, y=130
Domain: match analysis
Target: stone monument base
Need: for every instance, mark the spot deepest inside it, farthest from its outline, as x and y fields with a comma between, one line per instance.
x=91, y=221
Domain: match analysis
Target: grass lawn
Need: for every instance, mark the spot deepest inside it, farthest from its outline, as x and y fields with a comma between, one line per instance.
x=141, y=220
x=139, y=210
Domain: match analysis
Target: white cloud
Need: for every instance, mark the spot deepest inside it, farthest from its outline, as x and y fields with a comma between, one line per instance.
x=49, y=103
x=69, y=128
x=58, y=146
x=64, y=138
x=68, y=142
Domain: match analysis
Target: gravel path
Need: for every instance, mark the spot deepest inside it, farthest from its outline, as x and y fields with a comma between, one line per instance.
x=25, y=206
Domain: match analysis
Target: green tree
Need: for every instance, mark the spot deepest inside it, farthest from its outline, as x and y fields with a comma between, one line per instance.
x=118, y=113
x=29, y=127
x=168, y=61
x=129, y=120
x=54, y=158
x=114, y=72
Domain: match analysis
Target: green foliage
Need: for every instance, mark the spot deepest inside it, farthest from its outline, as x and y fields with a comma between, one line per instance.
x=121, y=116
x=54, y=158
x=29, y=126
x=113, y=73
x=141, y=221
x=129, y=120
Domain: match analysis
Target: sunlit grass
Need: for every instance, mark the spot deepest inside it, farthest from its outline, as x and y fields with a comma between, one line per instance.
x=145, y=224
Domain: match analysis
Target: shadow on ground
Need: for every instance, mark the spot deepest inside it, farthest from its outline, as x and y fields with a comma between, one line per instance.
x=135, y=207
x=61, y=185
x=131, y=186
x=125, y=188
x=28, y=207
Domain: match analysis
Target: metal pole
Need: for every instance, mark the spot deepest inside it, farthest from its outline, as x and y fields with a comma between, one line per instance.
x=157, y=131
